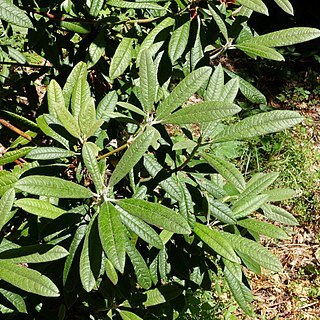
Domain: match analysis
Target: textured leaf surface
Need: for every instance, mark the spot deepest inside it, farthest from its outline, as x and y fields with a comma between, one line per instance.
x=96, y=6
x=127, y=315
x=16, y=300
x=111, y=272
x=6, y=203
x=260, y=50
x=55, y=96
x=12, y=14
x=221, y=211
x=27, y=279
x=52, y=187
x=220, y=23
x=280, y=194
x=215, y=85
x=279, y=214
x=186, y=204
x=211, y=187
x=230, y=90
x=156, y=214
x=216, y=241
x=11, y=156
x=49, y=153
x=255, y=5
x=112, y=235
x=106, y=105
x=7, y=181
x=248, y=205
x=80, y=96
x=285, y=5
x=260, y=124
x=134, y=5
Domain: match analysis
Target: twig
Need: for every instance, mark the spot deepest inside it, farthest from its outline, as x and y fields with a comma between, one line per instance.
x=113, y=151
x=15, y=129
x=24, y=65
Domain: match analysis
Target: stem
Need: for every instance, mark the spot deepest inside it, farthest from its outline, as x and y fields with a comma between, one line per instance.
x=112, y=152
x=15, y=129
x=24, y=65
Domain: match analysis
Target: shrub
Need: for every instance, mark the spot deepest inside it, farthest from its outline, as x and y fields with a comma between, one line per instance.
x=115, y=199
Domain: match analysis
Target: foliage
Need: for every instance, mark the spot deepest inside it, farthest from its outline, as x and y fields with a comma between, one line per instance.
x=114, y=216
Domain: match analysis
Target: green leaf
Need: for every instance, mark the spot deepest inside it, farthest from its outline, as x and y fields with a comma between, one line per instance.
x=285, y=37
x=40, y=208
x=34, y=254
x=106, y=105
x=141, y=229
x=260, y=124
x=87, y=118
x=15, y=299
x=248, y=205
x=260, y=50
x=139, y=265
x=202, y=112
x=178, y=41
x=183, y=91
x=211, y=187
x=16, y=55
x=134, y=5
x=127, y=315
x=55, y=96
x=11, y=156
x=220, y=211
x=280, y=194
x=12, y=14
x=255, y=251
x=49, y=153
x=7, y=181
x=111, y=272
x=133, y=154
x=78, y=72
x=278, y=214
x=6, y=203
x=184, y=144
x=121, y=58
x=220, y=23
x=148, y=80
x=255, y=5
x=27, y=279
x=264, y=228
x=156, y=214
x=131, y=107
x=215, y=85
x=112, y=235
x=230, y=90
x=80, y=96
x=95, y=7
x=52, y=187
x=196, y=52
x=89, y=153
x=227, y=170
x=216, y=241
x=163, y=266
x=285, y=5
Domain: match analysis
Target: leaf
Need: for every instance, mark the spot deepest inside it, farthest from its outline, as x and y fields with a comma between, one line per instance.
x=285, y=37
x=95, y=7
x=248, y=205
x=78, y=27
x=260, y=50
x=285, y=5
x=188, y=86
x=156, y=214
x=178, y=41
x=215, y=85
x=259, y=124
x=80, y=96
x=27, y=279
x=220, y=211
x=78, y=72
x=106, y=105
x=34, y=254
x=255, y=251
x=49, y=153
x=255, y=5
x=139, y=265
x=121, y=58
x=184, y=144
x=227, y=170
x=111, y=272
x=220, y=23
x=7, y=181
x=132, y=155
x=202, y=112
x=141, y=229
x=163, y=266
x=40, y=208
x=89, y=153
x=148, y=81
x=112, y=235
x=230, y=90
x=11, y=156
x=12, y=14
x=134, y=5
x=186, y=204
x=131, y=107
x=52, y=187
x=15, y=299
x=16, y=55
x=6, y=203
x=127, y=315
x=279, y=214
x=55, y=96
x=196, y=52
x=264, y=228
x=211, y=187
x=216, y=241
x=280, y=194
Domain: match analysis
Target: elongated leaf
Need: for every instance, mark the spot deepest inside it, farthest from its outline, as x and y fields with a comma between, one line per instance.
x=127, y=315
x=78, y=72
x=286, y=37
x=16, y=55
x=248, y=205
x=255, y=251
x=40, y=208
x=134, y=153
x=279, y=214
x=216, y=241
x=280, y=194
x=221, y=211
x=112, y=235
x=34, y=254
x=260, y=50
x=27, y=279
x=11, y=156
x=134, y=5
x=106, y=105
x=55, y=96
x=215, y=85
x=121, y=58
x=7, y=181
x=163, y=266
x=264, y=228
x=156, y=214
x=260, y=124
x=285, y=5
x=82, y=28
x=131, y=107
x=49, y=153
x=148, y=81
x=196, y=52
x=80, y=96
x=15, y=299
x=12, y=14
x=188, y=86
x=230, y=90
x=255, y=5
x=89, y=153
x=211, y=187
x=96, y=6
x=227, y=170
x=139, y=265
x=141, y=229
x=178, y=41
x=202, y=112
x=111, y=272
x=6, y=203
x=186, y=204
x=154, y=270
x=220, y=23
x=52, y=187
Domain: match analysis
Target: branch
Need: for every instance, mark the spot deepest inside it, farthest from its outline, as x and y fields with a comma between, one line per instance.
x=15, y=129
